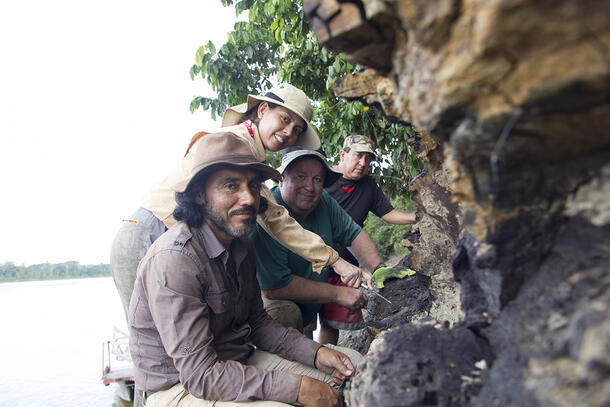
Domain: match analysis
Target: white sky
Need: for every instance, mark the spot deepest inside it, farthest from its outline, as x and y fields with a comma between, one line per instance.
x=94, y=110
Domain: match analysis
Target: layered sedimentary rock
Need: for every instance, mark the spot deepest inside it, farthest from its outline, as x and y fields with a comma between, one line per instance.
x=512, y=100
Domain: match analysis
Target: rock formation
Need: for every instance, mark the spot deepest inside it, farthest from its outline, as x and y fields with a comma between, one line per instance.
x=512, y=100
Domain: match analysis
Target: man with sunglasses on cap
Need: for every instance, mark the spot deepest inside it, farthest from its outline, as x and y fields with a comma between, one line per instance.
x=199, y=335
x=358, y=194
x=286, y=278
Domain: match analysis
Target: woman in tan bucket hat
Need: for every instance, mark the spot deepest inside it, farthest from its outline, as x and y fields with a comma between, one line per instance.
x=274, y=120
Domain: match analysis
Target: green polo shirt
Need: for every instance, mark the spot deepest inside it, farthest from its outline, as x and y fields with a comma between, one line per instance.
x=276, y=265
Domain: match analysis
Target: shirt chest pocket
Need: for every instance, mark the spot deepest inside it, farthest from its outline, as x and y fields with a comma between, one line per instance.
x=218, y=302
x=225, y=307
x=220, y=307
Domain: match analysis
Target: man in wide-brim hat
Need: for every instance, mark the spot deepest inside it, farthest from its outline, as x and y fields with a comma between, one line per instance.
x=198, y=330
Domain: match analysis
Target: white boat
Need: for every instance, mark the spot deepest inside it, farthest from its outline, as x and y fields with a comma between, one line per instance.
x=117, y=368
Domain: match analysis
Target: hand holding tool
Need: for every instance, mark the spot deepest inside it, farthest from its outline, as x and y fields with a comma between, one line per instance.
x=363, y=285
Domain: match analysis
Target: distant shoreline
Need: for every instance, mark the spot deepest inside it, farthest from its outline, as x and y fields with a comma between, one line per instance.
x=9, y=272
x=52, y=279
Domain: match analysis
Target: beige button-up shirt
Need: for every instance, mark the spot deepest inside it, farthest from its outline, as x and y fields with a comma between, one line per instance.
x=195, y=316
x=276, y=220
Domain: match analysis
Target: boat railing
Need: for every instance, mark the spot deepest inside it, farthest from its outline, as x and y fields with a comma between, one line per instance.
x=116, y=359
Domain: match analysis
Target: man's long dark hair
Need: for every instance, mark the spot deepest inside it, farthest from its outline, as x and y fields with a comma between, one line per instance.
x=189, y=211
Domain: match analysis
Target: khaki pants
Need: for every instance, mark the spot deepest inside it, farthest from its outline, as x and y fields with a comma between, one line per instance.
x=178, y=396
x=285, y=312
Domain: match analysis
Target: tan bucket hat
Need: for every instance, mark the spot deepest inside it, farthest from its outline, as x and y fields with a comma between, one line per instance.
x=288, y=96
x=214, y=151
x=292, y=153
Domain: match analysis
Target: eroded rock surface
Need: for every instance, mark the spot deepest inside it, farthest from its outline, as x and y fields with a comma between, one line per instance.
x=416, y=365
x=411, y=300
x=553, y=339
x=512, y=101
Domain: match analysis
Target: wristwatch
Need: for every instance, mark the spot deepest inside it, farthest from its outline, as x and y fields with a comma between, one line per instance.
x=381, y=265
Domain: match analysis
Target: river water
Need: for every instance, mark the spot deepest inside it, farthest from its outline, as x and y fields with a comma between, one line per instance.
x=51, y=342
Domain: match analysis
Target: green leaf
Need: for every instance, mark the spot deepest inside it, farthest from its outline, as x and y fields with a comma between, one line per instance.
x=194, y=71
x=211, y=47
x=199, y=55
x=269, y=9
x=337, y=65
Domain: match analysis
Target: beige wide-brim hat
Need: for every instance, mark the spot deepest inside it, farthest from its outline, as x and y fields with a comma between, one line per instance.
x=293, y=153
x=215, y=151
x=288, y=96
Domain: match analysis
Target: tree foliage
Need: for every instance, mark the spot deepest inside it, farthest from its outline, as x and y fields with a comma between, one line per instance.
x=277, y=44
x=48, y=271
x=388, y=238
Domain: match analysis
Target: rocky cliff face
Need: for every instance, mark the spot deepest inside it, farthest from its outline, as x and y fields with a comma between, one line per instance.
x=512, y=99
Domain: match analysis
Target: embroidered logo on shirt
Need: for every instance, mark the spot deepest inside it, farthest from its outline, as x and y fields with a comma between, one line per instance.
x=348, y=189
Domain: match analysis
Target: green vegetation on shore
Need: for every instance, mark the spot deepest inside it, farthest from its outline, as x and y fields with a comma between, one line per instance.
x=387, y=237
x=47, y=271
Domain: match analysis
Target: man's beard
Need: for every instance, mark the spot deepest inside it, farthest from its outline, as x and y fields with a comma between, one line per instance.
x=223, y=225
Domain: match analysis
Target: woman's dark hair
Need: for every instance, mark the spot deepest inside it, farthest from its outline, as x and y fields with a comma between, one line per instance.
x=187, y=209
x=252, y=114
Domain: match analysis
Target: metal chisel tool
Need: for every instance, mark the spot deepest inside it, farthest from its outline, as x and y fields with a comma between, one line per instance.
x=363, y=285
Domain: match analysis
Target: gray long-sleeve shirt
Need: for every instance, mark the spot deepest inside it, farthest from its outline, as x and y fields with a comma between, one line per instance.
x=193, y=320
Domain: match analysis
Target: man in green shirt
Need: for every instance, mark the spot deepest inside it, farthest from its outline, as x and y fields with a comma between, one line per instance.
x=284, y=275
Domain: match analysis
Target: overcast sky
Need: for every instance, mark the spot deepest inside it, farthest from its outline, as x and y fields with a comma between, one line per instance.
x=94, y=110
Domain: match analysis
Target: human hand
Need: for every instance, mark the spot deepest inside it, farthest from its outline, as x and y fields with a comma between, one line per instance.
x=350, y=298
x=368, y=278
x=351, y=275
x=335, y=363
x=314, y=393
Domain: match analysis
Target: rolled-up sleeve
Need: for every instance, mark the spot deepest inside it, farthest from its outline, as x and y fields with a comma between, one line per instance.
x=182, y=318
